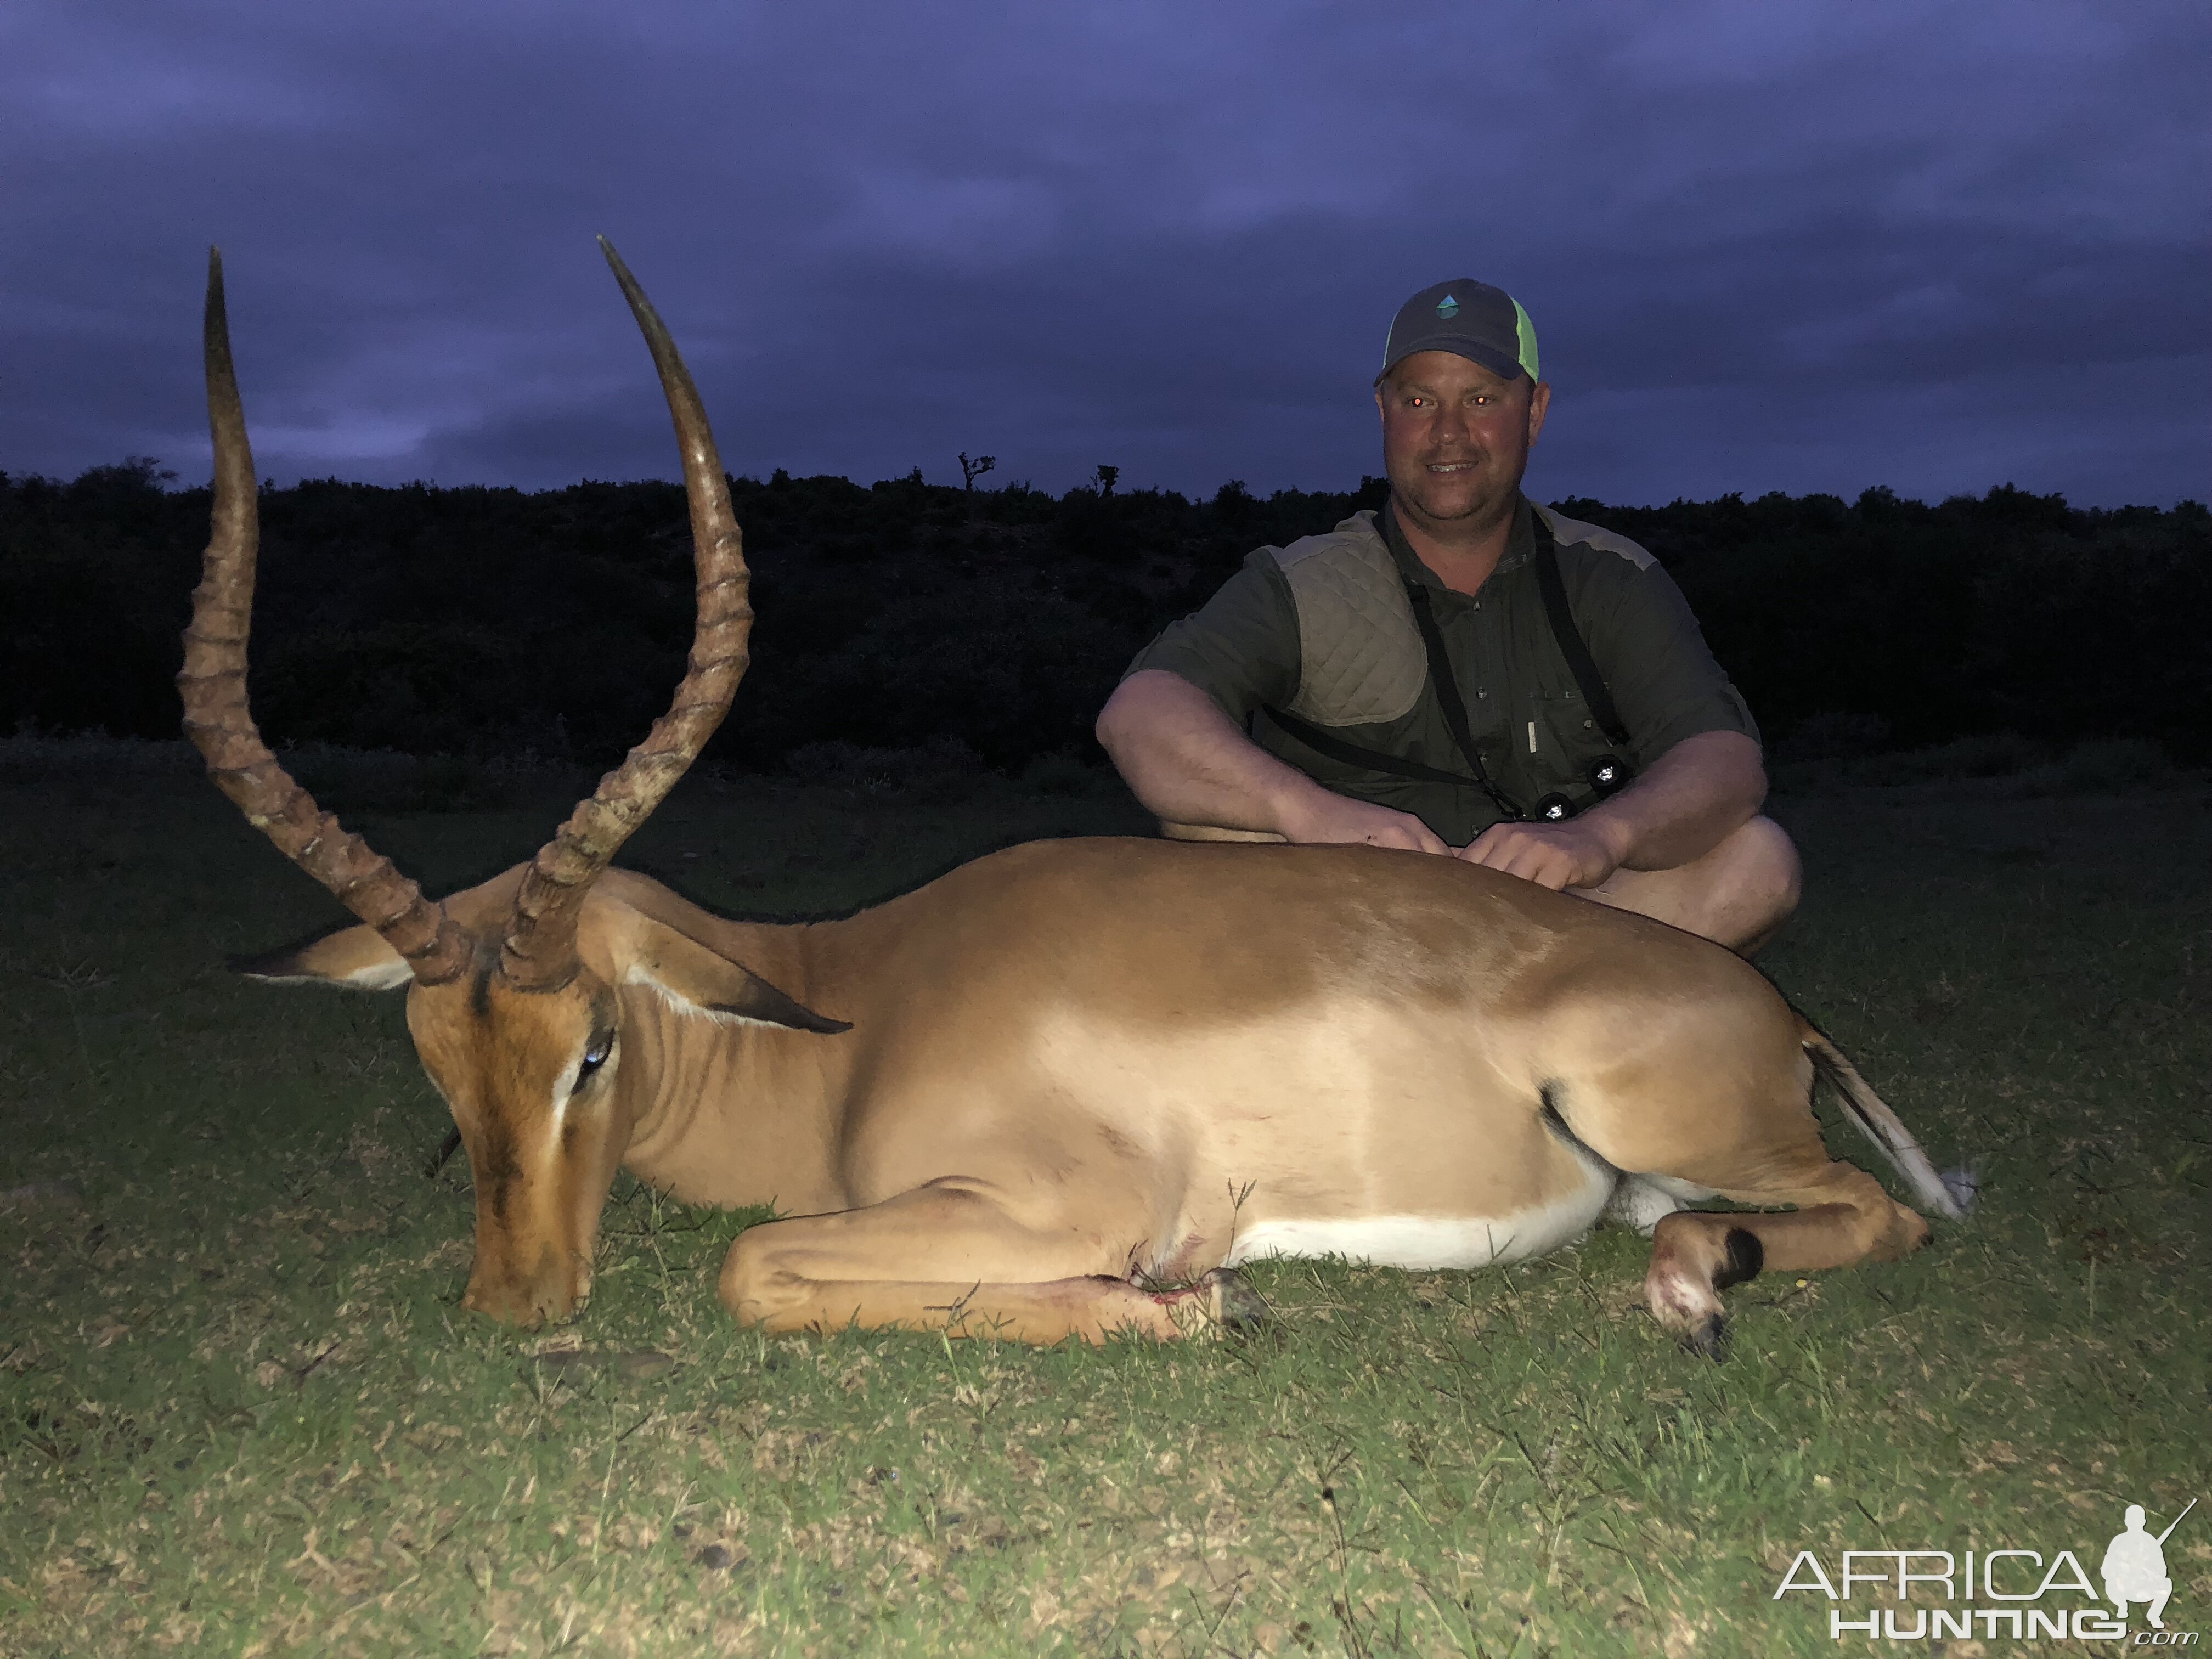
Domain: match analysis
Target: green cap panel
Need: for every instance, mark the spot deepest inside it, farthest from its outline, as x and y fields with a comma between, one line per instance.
x=1483, y=324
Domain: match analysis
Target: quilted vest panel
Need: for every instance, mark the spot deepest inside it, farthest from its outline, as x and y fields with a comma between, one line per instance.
x=1360, y=657
x=1360, y=660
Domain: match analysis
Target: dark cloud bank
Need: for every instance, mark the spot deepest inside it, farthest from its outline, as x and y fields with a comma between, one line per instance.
x=1795, y=248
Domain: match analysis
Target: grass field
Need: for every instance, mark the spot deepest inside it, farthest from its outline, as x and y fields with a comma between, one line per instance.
x=244, y=1412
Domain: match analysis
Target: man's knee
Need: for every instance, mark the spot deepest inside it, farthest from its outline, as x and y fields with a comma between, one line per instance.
x=1764, y=868
x=1737, y=895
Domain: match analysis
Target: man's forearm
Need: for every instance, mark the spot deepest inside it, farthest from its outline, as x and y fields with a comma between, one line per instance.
x=1186, y=760
x=1693, y=797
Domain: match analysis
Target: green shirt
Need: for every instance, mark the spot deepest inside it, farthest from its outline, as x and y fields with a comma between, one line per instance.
x=1322, y=630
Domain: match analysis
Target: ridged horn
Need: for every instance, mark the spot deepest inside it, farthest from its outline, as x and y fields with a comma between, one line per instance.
x=539, y=951
x=221, y=725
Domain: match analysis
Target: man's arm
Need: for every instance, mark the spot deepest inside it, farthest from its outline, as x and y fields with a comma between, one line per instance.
x=1691, y=798
x=1188, y=762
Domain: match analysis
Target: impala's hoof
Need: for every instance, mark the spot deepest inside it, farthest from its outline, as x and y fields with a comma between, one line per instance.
x=1709, y=1340
x=1232, y=1302
x=1221, y=1303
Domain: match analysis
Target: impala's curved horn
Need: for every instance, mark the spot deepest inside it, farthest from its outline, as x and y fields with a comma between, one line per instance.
x=221, y=725
x=539, y=952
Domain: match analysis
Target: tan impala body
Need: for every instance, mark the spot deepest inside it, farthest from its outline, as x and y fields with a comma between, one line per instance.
x=1065, y=1089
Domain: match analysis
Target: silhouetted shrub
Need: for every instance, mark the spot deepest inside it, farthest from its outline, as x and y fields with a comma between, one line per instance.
x=480, y=622
x=2106, y=766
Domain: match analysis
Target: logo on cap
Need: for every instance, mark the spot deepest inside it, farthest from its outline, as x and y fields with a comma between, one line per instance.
x=1448, y=307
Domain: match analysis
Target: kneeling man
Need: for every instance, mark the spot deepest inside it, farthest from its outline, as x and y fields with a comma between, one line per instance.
x=1464, y=673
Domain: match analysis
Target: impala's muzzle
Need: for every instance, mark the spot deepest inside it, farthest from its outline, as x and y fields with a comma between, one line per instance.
x=535, y=1235
x=526, y=1289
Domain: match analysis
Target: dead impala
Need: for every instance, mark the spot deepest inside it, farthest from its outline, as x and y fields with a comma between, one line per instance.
x=1064, y=1089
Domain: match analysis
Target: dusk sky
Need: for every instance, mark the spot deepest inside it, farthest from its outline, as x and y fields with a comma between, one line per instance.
x=1766, y=246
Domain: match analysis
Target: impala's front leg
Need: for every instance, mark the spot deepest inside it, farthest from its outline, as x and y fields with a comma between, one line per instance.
x=950, y=1256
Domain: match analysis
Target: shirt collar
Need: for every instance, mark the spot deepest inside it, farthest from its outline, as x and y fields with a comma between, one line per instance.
x=1520, y=546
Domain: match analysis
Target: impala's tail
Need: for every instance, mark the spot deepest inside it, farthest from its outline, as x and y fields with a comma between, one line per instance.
x=1949, y=1195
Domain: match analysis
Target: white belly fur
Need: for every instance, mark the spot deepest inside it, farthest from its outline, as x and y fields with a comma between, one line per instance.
x=1432, y=1241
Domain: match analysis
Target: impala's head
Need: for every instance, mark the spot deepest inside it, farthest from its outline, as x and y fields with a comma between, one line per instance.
x=531, y=1080
x=511, y=999
x=535, y=1078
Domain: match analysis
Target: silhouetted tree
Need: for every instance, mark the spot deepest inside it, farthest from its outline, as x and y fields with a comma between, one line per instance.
x=477, y=621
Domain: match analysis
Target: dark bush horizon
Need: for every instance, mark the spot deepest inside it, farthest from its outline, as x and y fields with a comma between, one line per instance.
x=481, y=619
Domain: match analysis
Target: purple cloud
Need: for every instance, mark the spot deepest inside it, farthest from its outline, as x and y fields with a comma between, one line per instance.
x=1766, y=247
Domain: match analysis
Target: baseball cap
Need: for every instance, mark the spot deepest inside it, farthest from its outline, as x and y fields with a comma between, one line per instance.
x=1482, y=323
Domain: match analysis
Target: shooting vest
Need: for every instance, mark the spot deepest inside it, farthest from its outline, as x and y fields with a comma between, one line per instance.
x=1362, y=660
x=1370, y=652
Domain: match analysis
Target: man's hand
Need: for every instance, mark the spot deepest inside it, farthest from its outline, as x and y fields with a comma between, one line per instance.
x=1321, y=816
x=1186, y=760
x=1571, y=853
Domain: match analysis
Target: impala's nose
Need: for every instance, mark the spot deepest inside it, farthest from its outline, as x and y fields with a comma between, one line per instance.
x=551, y=1292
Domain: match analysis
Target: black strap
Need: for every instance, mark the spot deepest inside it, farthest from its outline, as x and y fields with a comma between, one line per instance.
x=1448, y=698
x=1570, y=638
x=1374, y=760
x=1554, y=588
x=1446, y=687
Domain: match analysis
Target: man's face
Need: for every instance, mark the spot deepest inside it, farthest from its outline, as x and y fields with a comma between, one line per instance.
x=1456, y=437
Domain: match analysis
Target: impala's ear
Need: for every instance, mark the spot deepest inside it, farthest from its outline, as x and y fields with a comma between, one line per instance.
x=688, y=972
x=356, y=957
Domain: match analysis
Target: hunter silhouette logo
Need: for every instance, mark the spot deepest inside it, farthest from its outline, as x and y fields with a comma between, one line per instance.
x=1932, y=1594
x=2135, y=1566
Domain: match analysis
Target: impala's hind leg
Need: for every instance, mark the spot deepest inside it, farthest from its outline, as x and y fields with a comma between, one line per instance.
x=1746, y=1133
x=1842, y=1217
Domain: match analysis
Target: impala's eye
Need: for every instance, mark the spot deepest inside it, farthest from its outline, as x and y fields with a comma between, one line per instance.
x=594, y=1057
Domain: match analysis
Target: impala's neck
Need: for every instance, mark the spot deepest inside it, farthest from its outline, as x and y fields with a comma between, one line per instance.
x=730, y=1113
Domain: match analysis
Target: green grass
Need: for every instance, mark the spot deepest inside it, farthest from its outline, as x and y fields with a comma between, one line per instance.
x=240, y=1410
